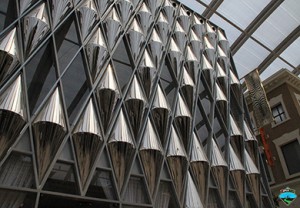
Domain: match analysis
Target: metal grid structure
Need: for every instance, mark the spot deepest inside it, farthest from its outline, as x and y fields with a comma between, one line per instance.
x=122, y=103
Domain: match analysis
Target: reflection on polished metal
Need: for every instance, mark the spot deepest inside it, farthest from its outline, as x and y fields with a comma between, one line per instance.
x=199, y=166
x=9, y=54
x=145, y=18
x=219, y=169
x=184, y=19
x=154, y=5
x=223, y=42
x=210, y=33
x=253, y=176
x=192, y=63
x=251, y=143
x=136, y=38
x=233, y=78
x=60, y=8
x=175, y=55
x=183, y=120
x=125, y=8
x=220, y=72
x=151, y=154
x=87, y=17
x=209, y=51
x=221, y=102
x=177, y=161
x=169, y=11
x=112, y=27
x=238, y=174
x=221, y=54
x=102, y=6
x=192, y=199
x=87, y=141
x=121, y=147
x=208, y=71
x=188, y=88
x=161, y=111
x=35, y=27
x=155, y=47
x=196, y=44
x=198, y=26
x=12, y=115
x=236, y=138
x=180, y=36
x=135, y=102
x=97, y=53
x=147, y=72
x=163, y=27
x=108, y=94
x=49, y=129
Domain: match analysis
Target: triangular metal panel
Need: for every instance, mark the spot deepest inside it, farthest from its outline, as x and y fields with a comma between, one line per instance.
x=196, y=44
x=188, y=88
x=112, y=27
x=192, y=199
x=180, y=36
x=145, y=18
x=59, y=9
x=125, y=8
x=155, y=47
x=210, y=33
x=223, y=42
x=169, y=11
x=9, y=54
x=163, y=27
x=136, y=38
x=175, y=55
x=36, y=26
x=198, y=26
x=184, y=19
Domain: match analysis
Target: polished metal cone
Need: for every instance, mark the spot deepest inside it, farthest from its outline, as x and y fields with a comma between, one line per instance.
x=184, y=19
x=192, y=198
x=198, y=26
x=180, y=36
x=125, y=8
x=188, y=89
x=163, y=27
x=175, y=55
x=145, y=18
x=169, y=11
x=59, y=9
x=102, y=6
x=155, y=47
x=136, y=38
x=196, y=44
x=112, y=27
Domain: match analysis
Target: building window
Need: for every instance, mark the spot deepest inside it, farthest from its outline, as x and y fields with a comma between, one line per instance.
x=291, y=154
x=278, y=113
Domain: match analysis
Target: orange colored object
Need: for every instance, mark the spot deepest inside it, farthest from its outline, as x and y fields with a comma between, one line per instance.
x=266, y=147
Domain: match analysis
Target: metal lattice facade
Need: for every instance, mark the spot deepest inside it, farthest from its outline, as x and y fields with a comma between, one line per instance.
x=121, y=103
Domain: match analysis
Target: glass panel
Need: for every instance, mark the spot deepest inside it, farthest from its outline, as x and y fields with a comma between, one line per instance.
x=75, y=87
x=102, y=186
x=291, y=53
x=62, y=179
x=231, y=32
x=165, y=197
x=136, y=191
x=16, y=199
x=242, y=12
x=40, y=75
x=291, y=154
x=248, y=57
x=194, y=5
x=287, y=16
x=8, y=13
x=67, y=42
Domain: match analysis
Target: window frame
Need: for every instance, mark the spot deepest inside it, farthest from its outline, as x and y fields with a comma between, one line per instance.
x=275, y=101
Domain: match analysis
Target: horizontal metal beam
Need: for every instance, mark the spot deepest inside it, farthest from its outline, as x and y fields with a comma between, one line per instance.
x=252, y=27
x=212, y=8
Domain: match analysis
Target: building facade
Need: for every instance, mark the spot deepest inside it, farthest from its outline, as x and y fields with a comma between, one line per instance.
x=283, y=90
x=124, y=104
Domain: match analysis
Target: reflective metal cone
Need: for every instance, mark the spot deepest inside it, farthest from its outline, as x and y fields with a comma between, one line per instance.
x=192, y=199
x=125, y=8
x=135, y=103
x=175, y=56
x=9, y=54
x=153, y=5
x=145, y=18
x=112, y=27
x=210, y=34
x=220, y=72
x=147, y=72
x=238, y=174
x=96, y=53
x=87, y=141
x=108, y=94
x=180, y=36
x=12, y=115
x=182, y=120
x=192, y=63
x=236, y=138
x=156, y=47
x=184, y=19
x=219, y=169
x=102, y=6
x=187, y=88
x=163, y=27
x=35, y=26
x=221, y=102
x=223, y=42
x=160, y=111
x=251, y=143
x=234, y=80
x=136, y=38
x=198, y=26
x=60, y=9
x=199, y=166
x=177, y=161
x=207, y=71
x=253, y=176
x=24, y=4
x=196, y=44
x=151, y=154
x=221, y=54
x=87, y=17
x=121, y=148
x=49, y=129
x=209, y=51
x=169, y=11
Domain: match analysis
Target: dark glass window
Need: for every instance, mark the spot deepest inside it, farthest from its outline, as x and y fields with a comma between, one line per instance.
x=278, y=113
x=291, y=154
